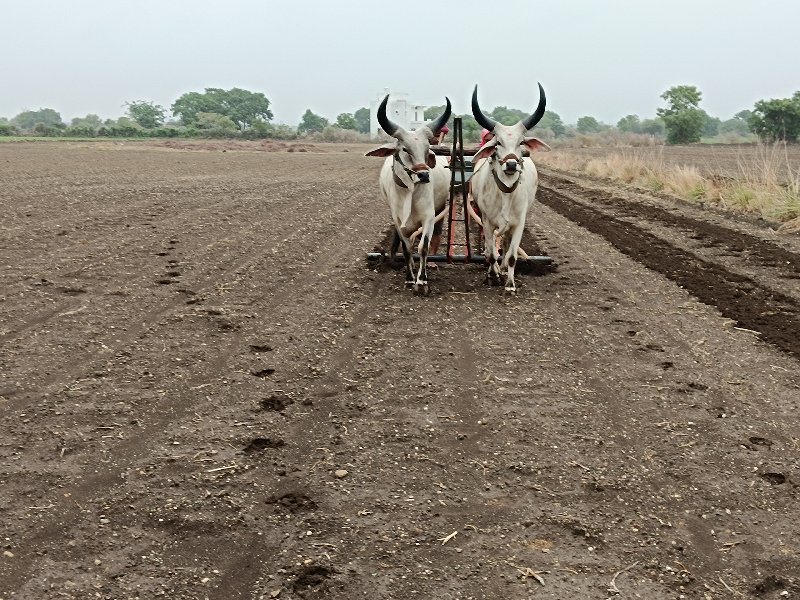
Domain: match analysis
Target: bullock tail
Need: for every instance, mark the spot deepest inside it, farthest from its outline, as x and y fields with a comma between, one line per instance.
x=473, y=214
x=436, y=219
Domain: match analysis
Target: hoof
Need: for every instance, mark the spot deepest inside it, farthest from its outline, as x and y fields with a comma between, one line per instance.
x=422, y=289
x=510, y=291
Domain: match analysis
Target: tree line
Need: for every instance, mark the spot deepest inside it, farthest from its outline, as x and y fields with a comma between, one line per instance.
x=243, y=113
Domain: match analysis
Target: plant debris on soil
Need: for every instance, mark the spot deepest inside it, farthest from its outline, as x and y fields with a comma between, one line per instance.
x=206, y=391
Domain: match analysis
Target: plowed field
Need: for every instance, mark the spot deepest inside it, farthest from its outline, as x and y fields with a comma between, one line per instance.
x=206, y=391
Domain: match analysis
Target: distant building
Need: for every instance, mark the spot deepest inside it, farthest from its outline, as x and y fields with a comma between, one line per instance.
x=399, y=109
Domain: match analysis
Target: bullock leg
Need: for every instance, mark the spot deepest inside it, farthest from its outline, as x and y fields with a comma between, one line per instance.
x=395, y=246
x=510, y=256
x=421, y=284
x=491, y=254
x=405, y=244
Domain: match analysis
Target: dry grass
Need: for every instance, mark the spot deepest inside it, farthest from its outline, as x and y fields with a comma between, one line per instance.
x=767, y=182
x=614, y=138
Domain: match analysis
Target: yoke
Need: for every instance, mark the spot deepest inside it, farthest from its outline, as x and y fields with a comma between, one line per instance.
x=461, y=170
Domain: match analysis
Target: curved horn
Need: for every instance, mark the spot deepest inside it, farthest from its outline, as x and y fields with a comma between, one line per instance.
x=389, y=127
x=436, y=126
x=481, y=118
x=531, y=121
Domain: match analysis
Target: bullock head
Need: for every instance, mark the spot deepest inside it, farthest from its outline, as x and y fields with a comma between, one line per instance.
x=411, y=149
x=509, y=140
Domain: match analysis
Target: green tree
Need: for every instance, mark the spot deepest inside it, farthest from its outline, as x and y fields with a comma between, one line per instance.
x=312, y=123
x=738, y=125
x=681, y=97
x=685, y=127
x=630, y=124
x=433, y=111
x=43, y=129
x=734, y=126
x=653, y=127
x=215, y=123
x=777, y=119
x=553, y=122
x=470, y=129
x=507, y=116
x=90, y=120
x=28, y=119
x=346, y=121
x=189, y=105
x=122, y=127
x=80, y=131
x=711, y=125
x=241, y=106
x=683, y=118
x=6, y=128
x=362, y=119
x=588, y=125
x=146, y=114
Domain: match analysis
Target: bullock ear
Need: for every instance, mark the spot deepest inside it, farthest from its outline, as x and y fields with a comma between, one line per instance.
x=383, y=151
x=431, y=160
x=535, y=145
x=486, y=151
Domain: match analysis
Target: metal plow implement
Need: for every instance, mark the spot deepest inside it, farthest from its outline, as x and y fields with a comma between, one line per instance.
x=463, y=242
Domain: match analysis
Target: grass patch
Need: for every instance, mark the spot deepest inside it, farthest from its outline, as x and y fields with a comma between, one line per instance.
x=761, y=186
x=12, y=139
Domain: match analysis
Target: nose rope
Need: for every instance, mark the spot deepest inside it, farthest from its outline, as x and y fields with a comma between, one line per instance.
x=511, y=156
x=409, y=172
x=506, y=189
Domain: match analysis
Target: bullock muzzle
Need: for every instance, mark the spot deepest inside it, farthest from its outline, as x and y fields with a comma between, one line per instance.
x=510, y=166
x=424, y=176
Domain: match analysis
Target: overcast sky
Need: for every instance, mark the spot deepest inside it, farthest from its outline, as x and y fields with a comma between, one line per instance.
x=605, y=59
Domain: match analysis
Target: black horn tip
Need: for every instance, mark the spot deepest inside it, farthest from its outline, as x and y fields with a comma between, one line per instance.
x=441, y=121
x=479, y=115
x=448, y=108
x=530, y=122
x=386, y=124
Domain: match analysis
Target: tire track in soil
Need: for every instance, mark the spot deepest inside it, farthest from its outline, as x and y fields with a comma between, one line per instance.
x=102, y=481
x=216, y=271
x=39, y=319
x=177, y=230
x=774, y=315
x=247, y=563
x=243, y=569
x=240, y=581
x=308, y=433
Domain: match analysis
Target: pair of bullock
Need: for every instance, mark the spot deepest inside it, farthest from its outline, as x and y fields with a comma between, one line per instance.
x=415, y=183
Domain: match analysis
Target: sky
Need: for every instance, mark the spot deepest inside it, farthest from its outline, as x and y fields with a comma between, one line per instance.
x=606, y=59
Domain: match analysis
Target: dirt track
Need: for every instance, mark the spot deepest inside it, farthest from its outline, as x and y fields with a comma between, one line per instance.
x=191, y=347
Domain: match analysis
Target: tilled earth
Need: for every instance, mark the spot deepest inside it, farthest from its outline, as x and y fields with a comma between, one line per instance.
x=206, y=391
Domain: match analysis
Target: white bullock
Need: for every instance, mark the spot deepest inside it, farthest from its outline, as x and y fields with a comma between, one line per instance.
x=504, y=186
x=414, y=182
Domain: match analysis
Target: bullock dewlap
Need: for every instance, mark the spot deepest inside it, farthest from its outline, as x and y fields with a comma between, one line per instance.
x=415, y=184
x=504, y=186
